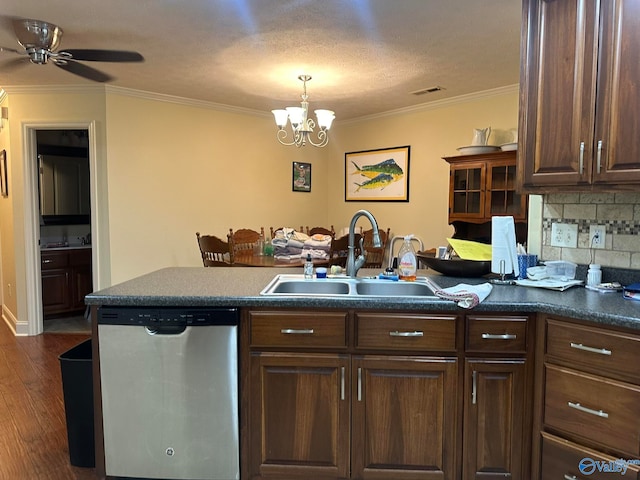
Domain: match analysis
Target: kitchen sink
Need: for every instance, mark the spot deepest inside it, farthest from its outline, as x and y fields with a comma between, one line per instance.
x=386, y=288
x=311, y=287
x=297, y=285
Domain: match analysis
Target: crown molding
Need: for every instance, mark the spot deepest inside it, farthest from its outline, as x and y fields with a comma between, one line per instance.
x=49, y=89
x=437, y=104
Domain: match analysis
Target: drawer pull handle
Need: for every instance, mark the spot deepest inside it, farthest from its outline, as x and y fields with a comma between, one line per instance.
x=47, y=261
x=359, y=384
x=341, y=383
x=601, y=351
x=295, y=331
x=570, y=477
x=491, y=336
x=597, y=413
x=415, y=333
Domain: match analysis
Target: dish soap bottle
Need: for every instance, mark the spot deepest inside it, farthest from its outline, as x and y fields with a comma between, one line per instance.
x=407, y=261
x=308, y=267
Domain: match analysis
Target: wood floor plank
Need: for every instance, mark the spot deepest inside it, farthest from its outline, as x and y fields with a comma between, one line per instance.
x=33, y=434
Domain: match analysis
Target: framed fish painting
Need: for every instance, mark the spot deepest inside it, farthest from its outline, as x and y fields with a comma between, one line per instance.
x=377, y=175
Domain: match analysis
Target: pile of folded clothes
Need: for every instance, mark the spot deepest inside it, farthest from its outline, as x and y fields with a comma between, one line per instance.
x=317, y=246
x=287, y=243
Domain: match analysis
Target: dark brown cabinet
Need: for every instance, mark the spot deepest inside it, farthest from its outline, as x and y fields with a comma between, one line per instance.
x=66, y=279
x=484, y=185
x=331, y=404
x=589, y=397
x=578, y=102
x=374, y=395
x=497, y=419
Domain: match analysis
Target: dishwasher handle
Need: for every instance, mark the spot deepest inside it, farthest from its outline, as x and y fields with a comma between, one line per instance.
x=166, y=329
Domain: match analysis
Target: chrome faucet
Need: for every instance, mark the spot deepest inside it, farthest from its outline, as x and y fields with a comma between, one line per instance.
x=353, y=264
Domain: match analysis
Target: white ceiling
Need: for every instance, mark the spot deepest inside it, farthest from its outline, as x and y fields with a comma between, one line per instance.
x=365, y=56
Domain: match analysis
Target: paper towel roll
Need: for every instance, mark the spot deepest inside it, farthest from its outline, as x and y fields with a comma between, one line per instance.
x=503, y=246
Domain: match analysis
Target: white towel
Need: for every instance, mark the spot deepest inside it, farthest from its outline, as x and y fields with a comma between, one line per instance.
x=465, y=296
x=503, y=246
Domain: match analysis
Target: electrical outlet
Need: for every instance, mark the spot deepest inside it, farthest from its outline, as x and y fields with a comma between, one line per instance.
x=597, y=236
x=564, y=235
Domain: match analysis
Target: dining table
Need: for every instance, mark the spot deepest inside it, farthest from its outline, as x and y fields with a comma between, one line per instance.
x=254, y=260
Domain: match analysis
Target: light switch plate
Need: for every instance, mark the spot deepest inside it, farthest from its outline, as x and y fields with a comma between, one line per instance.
x=564, y=235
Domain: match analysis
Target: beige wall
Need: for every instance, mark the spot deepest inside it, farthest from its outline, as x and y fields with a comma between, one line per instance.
x=166, y=168
x=432, y=133
x=29, y=110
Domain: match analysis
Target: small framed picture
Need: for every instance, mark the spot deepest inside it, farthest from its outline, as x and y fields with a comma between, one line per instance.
x=4, y=186
x=301, y=175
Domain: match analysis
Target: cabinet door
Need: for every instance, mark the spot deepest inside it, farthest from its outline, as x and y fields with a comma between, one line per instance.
x=501, y=195
x=617, y=121
x=404, y=418
x=494, y=419
x=558, y=85
x=300, y=416
x=55, y=290
x=466, y=191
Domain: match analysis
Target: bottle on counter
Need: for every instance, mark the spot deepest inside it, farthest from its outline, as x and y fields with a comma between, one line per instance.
x=308, y=267
x=407, y=260
x=594, y=274
x=259, y=247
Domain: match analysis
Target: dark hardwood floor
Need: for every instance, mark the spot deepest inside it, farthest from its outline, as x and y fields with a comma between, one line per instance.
x=33, y=435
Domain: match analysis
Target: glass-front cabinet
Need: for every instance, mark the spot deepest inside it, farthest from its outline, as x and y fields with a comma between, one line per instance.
x=484, y=185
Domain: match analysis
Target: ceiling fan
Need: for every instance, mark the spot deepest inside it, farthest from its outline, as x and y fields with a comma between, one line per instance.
x=41, y=40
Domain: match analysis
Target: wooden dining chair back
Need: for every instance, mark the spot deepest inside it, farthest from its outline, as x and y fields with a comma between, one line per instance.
x=375, y=255
x=215, y=252
x=339, y=250
x=321, y=231
x=244, y=240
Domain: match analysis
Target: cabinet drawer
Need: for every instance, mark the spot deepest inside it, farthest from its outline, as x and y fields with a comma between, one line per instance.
x=53, y=260
x=602, y=410
x=496, y=334
x=562, y=459
x=406, y=332
x=297, y=329
x=594, y=348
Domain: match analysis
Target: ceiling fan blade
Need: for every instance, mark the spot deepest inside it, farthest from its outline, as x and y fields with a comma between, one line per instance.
x=84, y=71
x=91, y=55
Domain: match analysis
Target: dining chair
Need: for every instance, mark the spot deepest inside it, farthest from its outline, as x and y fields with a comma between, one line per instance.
x=340, y=249
x=375, y=255
x=321, y=231
x=243, y=241
x=215, y=252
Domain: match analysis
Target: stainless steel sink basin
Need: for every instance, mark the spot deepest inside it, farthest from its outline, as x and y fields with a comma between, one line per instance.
x=385, y=288
x=297, y=285
x=309, y=287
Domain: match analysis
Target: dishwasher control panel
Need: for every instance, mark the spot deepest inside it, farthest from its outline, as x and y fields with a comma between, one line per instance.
x=177, y=317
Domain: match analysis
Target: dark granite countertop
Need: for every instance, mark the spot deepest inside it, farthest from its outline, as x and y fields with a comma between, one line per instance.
x=241, y=286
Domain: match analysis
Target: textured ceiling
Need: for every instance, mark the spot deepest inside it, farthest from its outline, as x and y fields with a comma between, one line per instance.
x=365, y=56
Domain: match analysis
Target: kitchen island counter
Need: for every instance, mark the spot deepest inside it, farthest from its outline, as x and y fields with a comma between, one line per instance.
x=241, y=286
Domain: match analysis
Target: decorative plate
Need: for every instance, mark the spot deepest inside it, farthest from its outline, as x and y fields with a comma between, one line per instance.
x=475, y=149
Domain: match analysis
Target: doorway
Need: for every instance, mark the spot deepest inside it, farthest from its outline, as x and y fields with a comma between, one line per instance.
x=64, y=203
x=60, y=234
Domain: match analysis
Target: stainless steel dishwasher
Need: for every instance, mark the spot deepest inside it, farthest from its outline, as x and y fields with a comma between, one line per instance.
x=169, y=380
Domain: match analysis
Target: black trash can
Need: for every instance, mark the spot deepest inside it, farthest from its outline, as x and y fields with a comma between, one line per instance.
x=77, y=387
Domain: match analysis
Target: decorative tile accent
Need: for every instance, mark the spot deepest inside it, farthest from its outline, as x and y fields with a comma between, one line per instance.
x=618, y=212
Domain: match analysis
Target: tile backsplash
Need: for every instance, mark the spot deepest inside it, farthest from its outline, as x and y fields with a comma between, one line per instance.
x=618, y=212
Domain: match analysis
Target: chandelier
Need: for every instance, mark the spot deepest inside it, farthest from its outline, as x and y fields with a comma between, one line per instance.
x=301, y=126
